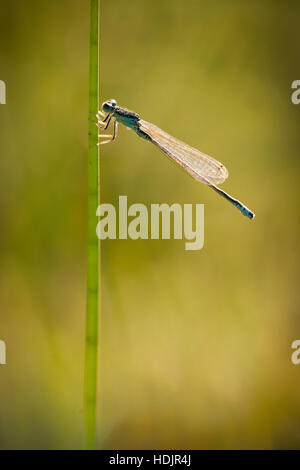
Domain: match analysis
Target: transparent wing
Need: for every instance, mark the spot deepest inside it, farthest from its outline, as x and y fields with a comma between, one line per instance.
x=202, y=167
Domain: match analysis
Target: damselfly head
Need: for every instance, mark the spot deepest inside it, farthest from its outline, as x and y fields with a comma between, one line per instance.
x=109, y=106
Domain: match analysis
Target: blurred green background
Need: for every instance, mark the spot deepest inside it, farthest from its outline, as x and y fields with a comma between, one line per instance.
x=195, y=346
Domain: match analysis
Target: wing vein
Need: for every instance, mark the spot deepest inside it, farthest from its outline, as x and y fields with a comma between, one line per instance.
x=200, y=166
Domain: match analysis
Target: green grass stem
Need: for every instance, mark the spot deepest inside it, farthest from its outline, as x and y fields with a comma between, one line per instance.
x=93, y=275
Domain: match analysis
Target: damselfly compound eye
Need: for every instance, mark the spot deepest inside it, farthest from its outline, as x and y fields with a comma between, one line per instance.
x=109, y=105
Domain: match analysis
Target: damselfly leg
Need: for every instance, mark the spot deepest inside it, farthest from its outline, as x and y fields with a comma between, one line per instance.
x=109, y=138
x=104, y=122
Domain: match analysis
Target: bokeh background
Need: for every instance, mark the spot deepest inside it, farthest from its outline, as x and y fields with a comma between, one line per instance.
x=195, y=346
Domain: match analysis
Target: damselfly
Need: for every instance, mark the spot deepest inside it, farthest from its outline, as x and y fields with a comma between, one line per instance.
x=203, y=168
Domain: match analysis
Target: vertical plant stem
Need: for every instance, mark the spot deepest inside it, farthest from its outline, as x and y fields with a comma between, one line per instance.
x=93, y=303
